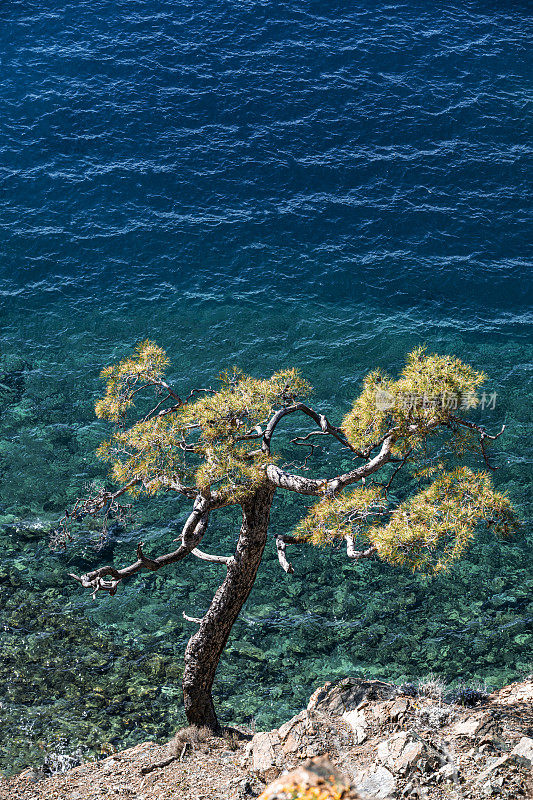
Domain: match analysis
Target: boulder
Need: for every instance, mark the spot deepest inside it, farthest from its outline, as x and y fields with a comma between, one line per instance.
x=357, y=722
x=376, y=782
x=261, y=753
x=400, y=753
x=347, y=694
x=524, y=751
x=473, y=725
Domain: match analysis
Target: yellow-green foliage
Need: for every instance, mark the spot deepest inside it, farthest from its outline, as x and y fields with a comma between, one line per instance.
x=369, y=419
x=334, y=517
x=434, y=527
x=207, y=442
x=430, y=389
x=147, y=366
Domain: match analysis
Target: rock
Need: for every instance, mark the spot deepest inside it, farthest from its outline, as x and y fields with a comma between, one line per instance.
x=317, y=778
x=473, y=725
x=288, y=726
x=515, y=693
x=291, y=733
x=381, y=713
x=524, y=751
x=391, y=749
x=398, y=709
x=347, y=694
x=493, y=765
x=357, y=722
x=410, y=755
x=448, y=772
x=261, y=752
x=400, y=753
x=378, y=783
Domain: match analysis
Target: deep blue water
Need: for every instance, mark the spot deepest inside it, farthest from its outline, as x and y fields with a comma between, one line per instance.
x=262, y=184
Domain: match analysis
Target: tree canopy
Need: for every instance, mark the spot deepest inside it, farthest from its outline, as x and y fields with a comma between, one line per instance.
x=215, y=447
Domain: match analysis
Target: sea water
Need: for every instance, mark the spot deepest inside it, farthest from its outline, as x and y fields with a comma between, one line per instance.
x=325, y=185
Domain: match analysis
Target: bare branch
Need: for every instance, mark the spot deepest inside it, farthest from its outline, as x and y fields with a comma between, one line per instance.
x=281, y=547
x=211, y=558
x=192, y=619
x=192, y=534
x=322, y=422
x=403, y=461
x=148, y=563
x=96, y=585
x=479, y=428
x=351, y=552
x=321, y=486
x=292, y=539
x=483, y=435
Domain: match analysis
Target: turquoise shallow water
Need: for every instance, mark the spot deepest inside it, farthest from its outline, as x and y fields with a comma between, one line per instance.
x=261, y=186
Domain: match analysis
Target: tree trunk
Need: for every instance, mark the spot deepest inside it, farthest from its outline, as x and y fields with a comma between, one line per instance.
x=206, y=646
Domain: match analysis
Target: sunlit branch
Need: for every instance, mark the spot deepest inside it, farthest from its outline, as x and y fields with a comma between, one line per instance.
x=192, y=619
x=352, y=552
x=281, y=546
x=483, y=435
x=211, y=558
x=403, y=461
x=321, y=486
x=321, y=420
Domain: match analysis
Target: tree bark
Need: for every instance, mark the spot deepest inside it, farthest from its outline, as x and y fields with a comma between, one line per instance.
x=206, y=646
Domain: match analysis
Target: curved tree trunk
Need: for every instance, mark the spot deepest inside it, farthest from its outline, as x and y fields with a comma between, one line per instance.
x=206, y=646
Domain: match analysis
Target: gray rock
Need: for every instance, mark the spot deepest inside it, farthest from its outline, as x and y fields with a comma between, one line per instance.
x=524, y=751
x=347, y=694
x=378, y=783
x=357, y=722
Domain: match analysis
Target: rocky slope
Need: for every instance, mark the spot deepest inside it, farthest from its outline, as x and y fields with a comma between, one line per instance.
x=356, y=739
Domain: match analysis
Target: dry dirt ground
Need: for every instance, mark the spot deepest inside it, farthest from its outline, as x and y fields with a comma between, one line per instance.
x=387, y=744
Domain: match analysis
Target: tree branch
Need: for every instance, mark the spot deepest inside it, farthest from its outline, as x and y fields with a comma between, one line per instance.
x=479, y=428
x=351, y=552
x=482, y=436
x=322, y=422
x=192, y=533
x=192, y=619
x=321, y=486
x=281, y=547
x=211, y=558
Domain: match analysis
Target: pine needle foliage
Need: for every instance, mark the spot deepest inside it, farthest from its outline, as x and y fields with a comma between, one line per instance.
x=435, y=526
x=427, y=393
x=337, y=516
x=212, y=442
x=208, y=442
x=123, y=380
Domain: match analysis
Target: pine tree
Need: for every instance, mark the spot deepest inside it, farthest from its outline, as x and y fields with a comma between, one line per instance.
x=215, y=448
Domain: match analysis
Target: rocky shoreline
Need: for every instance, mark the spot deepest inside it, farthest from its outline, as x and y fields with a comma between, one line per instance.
x=356, y=739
